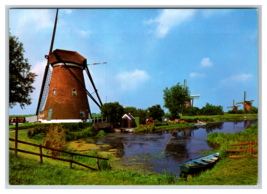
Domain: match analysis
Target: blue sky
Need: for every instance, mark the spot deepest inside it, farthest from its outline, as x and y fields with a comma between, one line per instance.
x=147, y=50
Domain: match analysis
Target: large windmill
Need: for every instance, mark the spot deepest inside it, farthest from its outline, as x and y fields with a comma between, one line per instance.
x=247, y=104
x=187, y=102
x=63, y=95
x=234, y=107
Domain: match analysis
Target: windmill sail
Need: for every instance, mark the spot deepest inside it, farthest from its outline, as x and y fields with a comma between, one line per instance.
x=46, y=89
x=47, y=76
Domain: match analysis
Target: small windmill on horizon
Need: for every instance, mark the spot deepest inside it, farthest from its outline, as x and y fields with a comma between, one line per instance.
x=234, y=107
x=187, y=101
x=246, y=104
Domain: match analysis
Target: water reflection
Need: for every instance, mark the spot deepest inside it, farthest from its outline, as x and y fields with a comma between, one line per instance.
x=165, y=150
x=214, y=126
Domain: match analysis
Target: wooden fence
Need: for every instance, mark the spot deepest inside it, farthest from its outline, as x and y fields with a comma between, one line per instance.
x=243, y=150
x=47, y=156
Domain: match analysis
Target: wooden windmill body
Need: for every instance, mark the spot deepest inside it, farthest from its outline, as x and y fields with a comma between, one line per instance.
x=234, y=106
x=246, y=104
x=63, y=95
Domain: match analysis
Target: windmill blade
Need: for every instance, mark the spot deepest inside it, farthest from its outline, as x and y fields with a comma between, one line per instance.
x=97, y=63
x=230, y=107
x=240, y=103
x=92, y=82
x=195, y=96
x=45, y=83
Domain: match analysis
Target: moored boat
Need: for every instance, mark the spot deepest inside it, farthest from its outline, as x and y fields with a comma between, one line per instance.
x=199, y=163
x=200, y=124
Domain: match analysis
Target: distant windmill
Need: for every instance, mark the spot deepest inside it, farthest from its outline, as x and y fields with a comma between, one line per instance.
x=188, y=103
x=247, y=104
x=234, y=107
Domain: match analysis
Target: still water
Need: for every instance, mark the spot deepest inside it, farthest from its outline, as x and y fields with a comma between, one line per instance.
x=159, y=152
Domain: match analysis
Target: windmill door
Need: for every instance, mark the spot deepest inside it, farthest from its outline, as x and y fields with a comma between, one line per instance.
x=49, y=115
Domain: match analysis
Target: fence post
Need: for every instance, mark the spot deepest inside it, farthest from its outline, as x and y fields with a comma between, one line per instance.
x=106, y=119
x=102, y=119
x=97, y=164
x=41, y=158
x=97, y=119
x=16, y=137
x=71, y=157
x=250, y=147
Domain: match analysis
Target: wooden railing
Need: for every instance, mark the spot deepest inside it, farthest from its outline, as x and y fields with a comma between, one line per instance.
x=56, y=158
x=243, y=150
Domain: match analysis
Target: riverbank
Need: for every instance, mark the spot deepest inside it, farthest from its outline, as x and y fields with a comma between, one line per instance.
x=191, y=120
x=26, y=169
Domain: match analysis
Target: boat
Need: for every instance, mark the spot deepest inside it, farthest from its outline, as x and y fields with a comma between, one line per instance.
x=200, y=124
x=199, y=163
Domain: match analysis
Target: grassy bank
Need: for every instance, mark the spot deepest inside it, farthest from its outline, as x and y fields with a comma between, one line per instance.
x=26, y=169
x=193, y=119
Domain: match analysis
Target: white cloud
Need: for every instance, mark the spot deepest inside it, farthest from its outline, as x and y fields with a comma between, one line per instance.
x=193, y=74
x=170, y=18
x=238, y=78
x=206, y=62
x=35, y=19
x=84, y=33
x=131, y=80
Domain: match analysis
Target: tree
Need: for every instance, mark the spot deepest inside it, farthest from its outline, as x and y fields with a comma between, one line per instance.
x=20, y=77
x=130, y=109
x=142, y=114
x=174, y=99
x=156, y=112
x=113, y=110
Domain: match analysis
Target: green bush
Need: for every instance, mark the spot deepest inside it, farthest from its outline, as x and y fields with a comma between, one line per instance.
x=210, y=109
x=101, y=134
x=240, y=111
x=36, y=130
x=253, y=110
x=88, y=132
x=192, y=111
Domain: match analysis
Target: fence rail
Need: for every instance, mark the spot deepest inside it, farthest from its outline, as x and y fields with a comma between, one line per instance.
x=243, y=150
x=47, y=156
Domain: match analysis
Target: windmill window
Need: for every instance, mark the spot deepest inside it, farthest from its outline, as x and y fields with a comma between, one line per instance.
x=82, y=113
x=54, y=92
x=74, y=93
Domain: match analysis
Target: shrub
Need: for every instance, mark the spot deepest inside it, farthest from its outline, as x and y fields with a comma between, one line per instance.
x=88, y=132
x=192, y=111
x=36, y=130
x=101, y=134
x=210, y=109
x=55, y=138
x=253, y=110
x=240, y=111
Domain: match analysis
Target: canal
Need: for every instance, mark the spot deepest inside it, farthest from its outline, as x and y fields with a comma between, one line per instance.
x=160, y=152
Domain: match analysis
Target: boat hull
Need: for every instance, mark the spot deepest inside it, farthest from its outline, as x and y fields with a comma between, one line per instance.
x=199, y=163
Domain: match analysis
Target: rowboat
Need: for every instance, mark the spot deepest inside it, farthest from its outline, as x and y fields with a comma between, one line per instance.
x=199, y=163
x=200, y=124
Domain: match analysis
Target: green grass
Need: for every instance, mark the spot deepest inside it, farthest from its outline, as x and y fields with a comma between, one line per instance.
x=22, y=115
x=223, y=139
x=26, y=169
x=225, y=117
